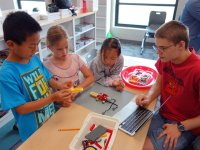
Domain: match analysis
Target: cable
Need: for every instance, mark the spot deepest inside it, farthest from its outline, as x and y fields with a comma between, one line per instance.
x=112, y=104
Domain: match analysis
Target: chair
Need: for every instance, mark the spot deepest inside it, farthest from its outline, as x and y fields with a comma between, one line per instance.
x=156, y=19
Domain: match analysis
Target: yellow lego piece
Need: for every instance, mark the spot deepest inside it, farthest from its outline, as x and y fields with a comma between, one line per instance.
x=75, y=90
x=93, y=94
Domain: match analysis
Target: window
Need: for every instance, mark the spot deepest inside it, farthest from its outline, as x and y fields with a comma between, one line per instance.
x=135, y=13
x=29, y=5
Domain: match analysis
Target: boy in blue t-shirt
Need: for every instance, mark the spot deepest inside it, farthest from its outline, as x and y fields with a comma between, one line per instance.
x=23, y=78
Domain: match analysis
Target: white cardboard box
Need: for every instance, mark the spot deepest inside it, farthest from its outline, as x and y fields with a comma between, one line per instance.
x=97, y=119
x=65, y=13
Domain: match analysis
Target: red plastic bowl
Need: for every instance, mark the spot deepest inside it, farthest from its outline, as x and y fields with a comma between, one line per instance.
x=128, y=72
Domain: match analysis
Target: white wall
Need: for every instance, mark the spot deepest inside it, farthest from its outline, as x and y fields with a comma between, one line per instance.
x=135, y=34
x=12, y=4
x=8, y=4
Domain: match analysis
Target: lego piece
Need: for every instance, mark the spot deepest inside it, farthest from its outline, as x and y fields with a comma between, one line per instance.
x=100, y=96
x=93, y=94
x=75, y=90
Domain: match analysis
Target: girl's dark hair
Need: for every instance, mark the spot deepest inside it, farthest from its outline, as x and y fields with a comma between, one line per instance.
x=18, y=26
x=111, y=43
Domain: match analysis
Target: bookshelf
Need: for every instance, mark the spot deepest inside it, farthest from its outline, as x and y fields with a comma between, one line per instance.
x=81, y=30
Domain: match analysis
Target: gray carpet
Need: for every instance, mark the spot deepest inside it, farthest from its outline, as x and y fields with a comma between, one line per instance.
x=132, y=48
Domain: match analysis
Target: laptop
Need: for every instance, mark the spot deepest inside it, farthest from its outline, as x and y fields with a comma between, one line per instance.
x=132, y=117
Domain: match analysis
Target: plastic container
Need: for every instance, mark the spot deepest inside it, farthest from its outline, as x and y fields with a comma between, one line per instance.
x=128, y=73
x=84, y=7
x=109, y=35
x=97, y=119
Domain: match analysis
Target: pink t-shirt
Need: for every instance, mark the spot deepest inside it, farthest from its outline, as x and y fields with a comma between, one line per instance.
x=71, y=72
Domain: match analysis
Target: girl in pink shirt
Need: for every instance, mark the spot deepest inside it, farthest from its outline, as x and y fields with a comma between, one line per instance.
x=61, y=64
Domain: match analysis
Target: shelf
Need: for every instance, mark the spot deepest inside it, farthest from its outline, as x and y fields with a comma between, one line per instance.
x=6, y=118
x=69, y=24
x=101, y=17
x=81, y=15
x=79, y=33
x=78, y=50
x=100, y=28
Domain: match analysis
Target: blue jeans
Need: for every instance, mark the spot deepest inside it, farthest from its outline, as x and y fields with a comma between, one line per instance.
x=156, y=128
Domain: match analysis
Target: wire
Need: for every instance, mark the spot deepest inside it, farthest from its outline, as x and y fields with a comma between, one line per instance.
x=162, y=104
x=112, y=104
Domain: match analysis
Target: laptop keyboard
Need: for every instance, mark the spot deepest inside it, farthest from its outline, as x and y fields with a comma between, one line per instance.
x=136, y=120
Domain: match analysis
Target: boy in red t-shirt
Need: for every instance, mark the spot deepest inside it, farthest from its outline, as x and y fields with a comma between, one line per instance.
x=178, y=84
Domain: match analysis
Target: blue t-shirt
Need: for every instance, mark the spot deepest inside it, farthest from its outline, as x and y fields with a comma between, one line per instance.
x=22, y=83
x=191, y=18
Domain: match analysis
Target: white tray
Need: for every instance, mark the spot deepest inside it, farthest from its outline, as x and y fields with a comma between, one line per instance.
x=97, y=119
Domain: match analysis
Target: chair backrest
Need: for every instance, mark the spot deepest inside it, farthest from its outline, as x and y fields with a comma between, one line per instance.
x=157, y=17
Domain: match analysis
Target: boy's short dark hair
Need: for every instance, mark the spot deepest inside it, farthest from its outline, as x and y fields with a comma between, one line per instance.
x=18, y=25
x=173, y=31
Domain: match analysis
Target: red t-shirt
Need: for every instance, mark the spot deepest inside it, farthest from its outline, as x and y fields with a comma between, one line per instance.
x=182, y=82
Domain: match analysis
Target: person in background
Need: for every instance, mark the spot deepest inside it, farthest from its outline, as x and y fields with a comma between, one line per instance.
x=108, y=64
x=24, y=81
x=64, y=66
x=191, y=17
x=177, y=123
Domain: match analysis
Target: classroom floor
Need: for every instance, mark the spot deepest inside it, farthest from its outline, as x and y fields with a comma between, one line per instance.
x=10, y=140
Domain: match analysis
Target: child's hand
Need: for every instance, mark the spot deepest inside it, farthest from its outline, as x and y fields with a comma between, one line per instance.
x=61, y=96
x=142, y=100
x=119, y=85
x=74, y=96
x=66, y=103
x=75, y=91
x=66, y=85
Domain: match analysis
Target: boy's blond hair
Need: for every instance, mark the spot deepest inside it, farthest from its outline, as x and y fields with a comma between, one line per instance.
x=55, y=34
x=173, y=31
